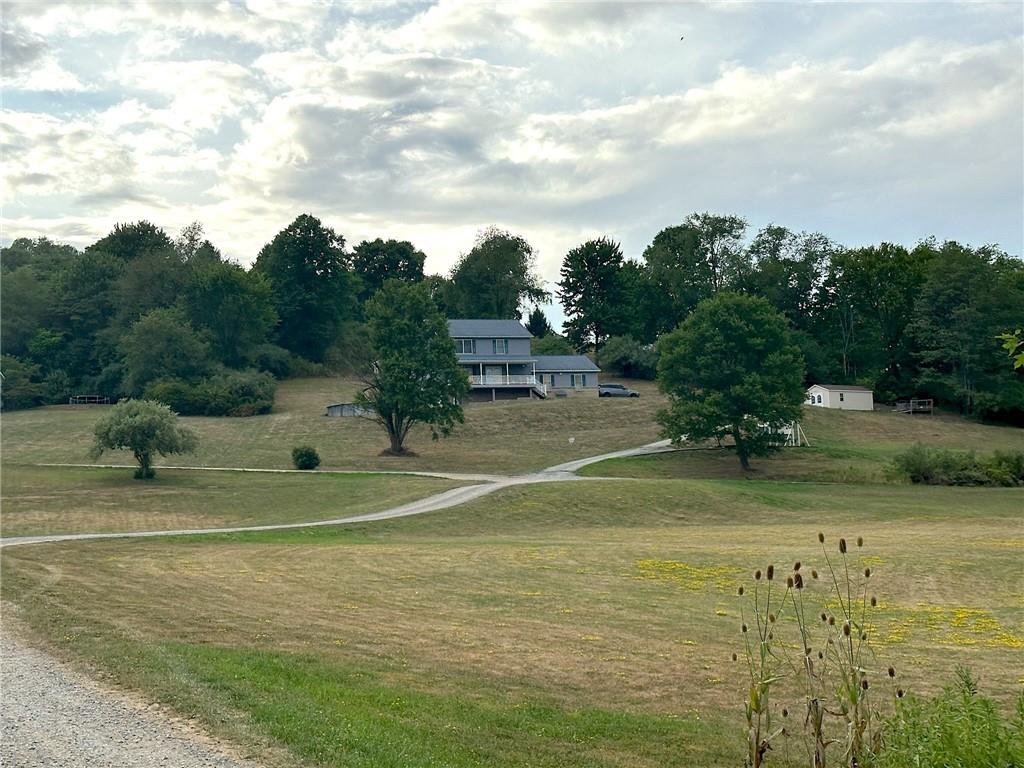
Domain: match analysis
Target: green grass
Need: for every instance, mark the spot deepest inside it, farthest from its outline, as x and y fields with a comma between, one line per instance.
x=572, y=624
x=38, y=500
x=506, y=437
x=845, y=446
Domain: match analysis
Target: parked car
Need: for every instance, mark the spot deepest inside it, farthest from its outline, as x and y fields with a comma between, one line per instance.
x=616, y=390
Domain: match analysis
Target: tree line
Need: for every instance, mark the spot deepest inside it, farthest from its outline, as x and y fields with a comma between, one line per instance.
x=139, y=313
x=923, y=321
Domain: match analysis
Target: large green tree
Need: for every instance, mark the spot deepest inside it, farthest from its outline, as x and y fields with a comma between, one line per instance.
x=312, y=286
x=412, y=375
x=495, y=278
x=130, y=241
x=162, y=345
x=145, y=428
x=592, y=293
x=233, y=307
x=375, y=261
x=731, y=370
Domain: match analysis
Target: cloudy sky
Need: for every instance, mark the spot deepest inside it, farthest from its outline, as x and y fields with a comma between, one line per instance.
x=559, y=121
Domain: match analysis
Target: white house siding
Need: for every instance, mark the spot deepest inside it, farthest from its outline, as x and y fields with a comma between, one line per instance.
x=841, y=399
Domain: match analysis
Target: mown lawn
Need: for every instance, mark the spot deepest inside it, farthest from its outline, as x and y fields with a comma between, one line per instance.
x=845, y=446
x=38, y=500
x=574, y=624
x=506, y=437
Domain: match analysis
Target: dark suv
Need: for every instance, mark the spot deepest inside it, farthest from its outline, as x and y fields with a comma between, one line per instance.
x=616, y=390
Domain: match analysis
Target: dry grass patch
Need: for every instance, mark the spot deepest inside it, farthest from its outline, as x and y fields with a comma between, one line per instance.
x=39, y=500
x=505, y=437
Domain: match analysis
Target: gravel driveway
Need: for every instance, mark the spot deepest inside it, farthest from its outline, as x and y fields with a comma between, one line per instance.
x=52, y=716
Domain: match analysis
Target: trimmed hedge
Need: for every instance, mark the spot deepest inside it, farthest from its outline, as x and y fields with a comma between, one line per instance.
x=305, y=457
x=230, y=393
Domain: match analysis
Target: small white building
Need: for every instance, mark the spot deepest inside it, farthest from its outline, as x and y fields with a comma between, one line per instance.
x=844, y=396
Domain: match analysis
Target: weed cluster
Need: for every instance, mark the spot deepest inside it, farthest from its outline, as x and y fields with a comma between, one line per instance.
x=810, y=632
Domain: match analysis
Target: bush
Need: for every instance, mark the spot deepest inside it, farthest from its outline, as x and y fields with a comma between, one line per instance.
x=272, y=359
x=305, y=457
x=628, y=357
x=230, y=393
x=937, y=466
x=303, y=368
x=957, y=728
x=21, y=385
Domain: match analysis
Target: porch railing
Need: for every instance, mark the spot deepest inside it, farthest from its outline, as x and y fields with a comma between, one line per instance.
x=499, y=380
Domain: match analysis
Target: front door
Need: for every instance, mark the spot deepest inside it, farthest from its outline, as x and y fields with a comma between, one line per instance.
x=494, y=374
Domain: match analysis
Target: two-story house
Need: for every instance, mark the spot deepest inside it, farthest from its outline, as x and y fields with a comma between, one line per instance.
x=496, y=355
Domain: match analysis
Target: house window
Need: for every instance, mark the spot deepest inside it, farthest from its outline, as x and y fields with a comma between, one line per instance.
x=500, y=346
x=465, y=346
x=552, y=379
x=819, y=398
x=841, y=396
x=584, y=380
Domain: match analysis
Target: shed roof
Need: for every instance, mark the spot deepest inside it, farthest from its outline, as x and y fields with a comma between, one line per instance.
x=487, y=329
x=557, y=363
x=841, y=387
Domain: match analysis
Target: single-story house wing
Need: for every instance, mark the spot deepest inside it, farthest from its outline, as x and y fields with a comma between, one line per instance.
x=567, y=372
x=843, y=396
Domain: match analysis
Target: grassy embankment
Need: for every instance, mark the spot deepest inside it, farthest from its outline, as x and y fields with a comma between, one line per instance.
x=585, y=623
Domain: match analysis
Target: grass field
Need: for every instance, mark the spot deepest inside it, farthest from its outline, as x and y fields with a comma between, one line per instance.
x=845, y=446
x=572, y=624
x=505, y=437
x=568, y=624
x=38, y=500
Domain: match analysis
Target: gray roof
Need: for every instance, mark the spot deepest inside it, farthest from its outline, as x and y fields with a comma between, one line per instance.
x=487, y=329
x=557, y=363
x=844, y=387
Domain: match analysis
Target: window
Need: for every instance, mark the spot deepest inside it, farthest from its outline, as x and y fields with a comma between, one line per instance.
x=584, y=379
x=841, y=396
x=465, y=346
x=500, y=346
x=552, y=379
x=819, y=398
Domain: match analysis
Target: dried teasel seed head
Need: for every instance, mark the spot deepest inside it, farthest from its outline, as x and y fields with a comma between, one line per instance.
x=771, y=617
x=899, y=693
x=821, y=655
x=757, y=575
x=789, y=582
x=831, y=621
x=892, y=672
x=846, y=628
x=771, y=572
x=740, y=591
x=734, y=657
x=867, y=573
x=807, y=651
x=842, y=546
x=771, y=635
x=796, y=566
x=863, y=635
x=824, y=616
x=814, y=574
x=821, y=537
x=874, y=601
x=743, y=628
x=799, y=581
x=785, y=712
x=864, y=683
x=860, y=541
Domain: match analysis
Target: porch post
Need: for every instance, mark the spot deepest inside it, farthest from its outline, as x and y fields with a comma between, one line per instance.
x=506, y=373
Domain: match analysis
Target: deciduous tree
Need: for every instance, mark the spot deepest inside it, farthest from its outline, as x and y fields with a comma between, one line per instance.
x=412, y=376
x=495, y=278
x=592, y=293
x=731, y=370
x=375, y=261
x=145, y=428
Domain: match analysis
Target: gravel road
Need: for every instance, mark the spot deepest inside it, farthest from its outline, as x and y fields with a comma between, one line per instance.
x=53, y=716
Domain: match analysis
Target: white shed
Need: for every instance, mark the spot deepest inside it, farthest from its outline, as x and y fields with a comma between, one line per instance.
x=844, y=396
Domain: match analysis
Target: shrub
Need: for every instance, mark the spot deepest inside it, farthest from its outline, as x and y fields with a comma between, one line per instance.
x=272, y=359
x=305, y=457
x=303, y=368
x=956, y=728
x=229, y=393
x=21, y=385
x=937, y=466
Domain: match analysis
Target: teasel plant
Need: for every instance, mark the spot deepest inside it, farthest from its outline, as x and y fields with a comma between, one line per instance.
x=830, y=662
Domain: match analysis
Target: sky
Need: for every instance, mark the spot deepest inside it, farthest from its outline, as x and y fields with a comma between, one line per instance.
x=559, y=121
